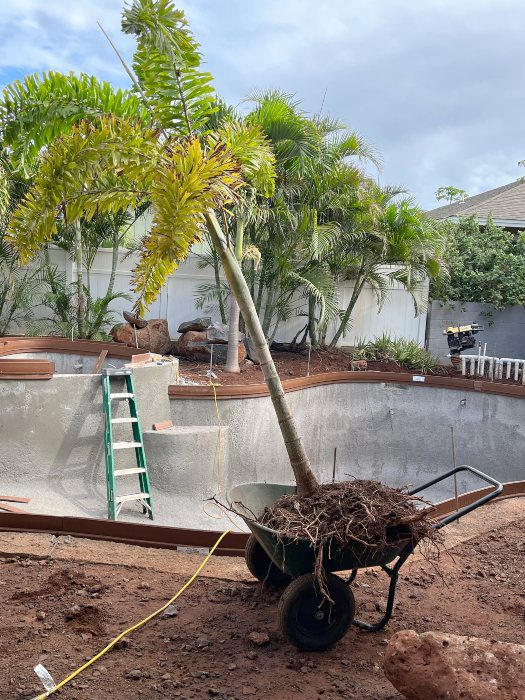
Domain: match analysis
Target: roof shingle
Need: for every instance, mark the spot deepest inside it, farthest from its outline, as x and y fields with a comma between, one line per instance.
x=503, y=203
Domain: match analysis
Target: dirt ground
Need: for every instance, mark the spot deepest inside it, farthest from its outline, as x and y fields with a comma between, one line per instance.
x=290, y=365
x=60, y=606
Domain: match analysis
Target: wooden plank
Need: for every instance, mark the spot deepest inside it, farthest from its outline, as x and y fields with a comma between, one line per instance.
x=100, y=361
x=15, y=499
x=11, y=509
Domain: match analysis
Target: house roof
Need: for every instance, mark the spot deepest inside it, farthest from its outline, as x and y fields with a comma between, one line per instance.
x=506, y=206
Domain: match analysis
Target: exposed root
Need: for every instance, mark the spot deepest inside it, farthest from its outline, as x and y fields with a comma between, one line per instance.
x=362, y=515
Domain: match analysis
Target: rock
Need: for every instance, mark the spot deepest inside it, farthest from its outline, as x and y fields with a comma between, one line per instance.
x=438, y=666
x=259, y=638
x=154, y=338
x=249, y=690
x=122, y=643
x=136, y=674
x=171, y=611
x=198, y=324
x=40, y=616
x=218, y=333
x=195, y=346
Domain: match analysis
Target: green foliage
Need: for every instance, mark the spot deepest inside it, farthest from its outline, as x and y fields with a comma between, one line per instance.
x=406, y=353
x=89, y=171
x=167, y=64
x=18, y=289
x=39, y=109
x=451, y=194
x=486, y=264
x=61, y=299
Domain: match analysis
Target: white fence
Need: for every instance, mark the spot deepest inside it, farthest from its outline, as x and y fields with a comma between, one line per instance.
x=177, y=302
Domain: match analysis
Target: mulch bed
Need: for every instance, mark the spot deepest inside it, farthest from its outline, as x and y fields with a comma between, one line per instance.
x=291, y=365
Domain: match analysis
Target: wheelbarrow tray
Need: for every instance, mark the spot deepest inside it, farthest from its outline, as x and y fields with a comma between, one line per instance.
x=296, y=557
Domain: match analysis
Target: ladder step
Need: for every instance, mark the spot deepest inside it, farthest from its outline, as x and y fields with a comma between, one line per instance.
x=131, y=470
x=132, y=497
x=125, y=445
x=123, y=420
x=122, y=395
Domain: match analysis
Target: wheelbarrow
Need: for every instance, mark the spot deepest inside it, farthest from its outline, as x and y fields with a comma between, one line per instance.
x=308, y=619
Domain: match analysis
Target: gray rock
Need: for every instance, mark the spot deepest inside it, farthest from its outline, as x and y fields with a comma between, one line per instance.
x=218, y=333
x=198, y=324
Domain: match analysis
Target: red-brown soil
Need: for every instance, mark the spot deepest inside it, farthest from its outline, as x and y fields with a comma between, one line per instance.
x=61, y=612
x=290, y=365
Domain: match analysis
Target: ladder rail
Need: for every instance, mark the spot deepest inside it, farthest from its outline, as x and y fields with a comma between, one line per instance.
x=115, y=500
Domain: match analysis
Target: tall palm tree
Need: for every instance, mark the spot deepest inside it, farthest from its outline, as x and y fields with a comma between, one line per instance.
x=388, y=242
x=108, y=163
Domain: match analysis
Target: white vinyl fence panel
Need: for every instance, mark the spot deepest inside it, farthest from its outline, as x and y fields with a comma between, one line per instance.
x=177, y=302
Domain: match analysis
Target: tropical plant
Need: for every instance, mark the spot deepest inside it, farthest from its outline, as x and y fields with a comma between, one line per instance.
x=451, y=194
x=60, y=298
x=486, y=264
x=388, y=243
x=17, y=287
x=404, y=351
x=109, y=163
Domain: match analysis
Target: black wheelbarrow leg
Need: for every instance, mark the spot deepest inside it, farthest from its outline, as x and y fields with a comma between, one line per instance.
x=393, y=573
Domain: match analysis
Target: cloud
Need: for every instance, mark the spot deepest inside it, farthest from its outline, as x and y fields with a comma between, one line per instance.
x=436, y=86
x=59, y=35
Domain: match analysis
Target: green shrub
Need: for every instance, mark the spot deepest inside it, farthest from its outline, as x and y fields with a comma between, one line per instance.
x=406, y=353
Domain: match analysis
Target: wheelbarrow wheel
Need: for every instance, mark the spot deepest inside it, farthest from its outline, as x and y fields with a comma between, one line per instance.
x=308, y=620
x=261, y=566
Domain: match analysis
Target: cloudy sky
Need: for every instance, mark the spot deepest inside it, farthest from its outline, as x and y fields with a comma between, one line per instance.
x=438, y=86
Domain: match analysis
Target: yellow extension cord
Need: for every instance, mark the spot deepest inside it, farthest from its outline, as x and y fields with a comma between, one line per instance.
x=188, y=583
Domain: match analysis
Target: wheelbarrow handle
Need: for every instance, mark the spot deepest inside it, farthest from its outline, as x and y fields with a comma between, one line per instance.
x=498, y=488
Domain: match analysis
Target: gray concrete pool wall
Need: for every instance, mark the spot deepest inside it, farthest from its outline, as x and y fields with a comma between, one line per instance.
x=395, y=433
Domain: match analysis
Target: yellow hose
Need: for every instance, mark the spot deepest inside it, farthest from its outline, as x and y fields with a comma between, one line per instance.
x=188, y=583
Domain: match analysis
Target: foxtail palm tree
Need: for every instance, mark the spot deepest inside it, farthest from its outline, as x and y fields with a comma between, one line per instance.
x=108, y=163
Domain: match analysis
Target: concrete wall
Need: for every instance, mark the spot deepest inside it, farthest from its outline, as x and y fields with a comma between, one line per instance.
x=52, y=437
x=398, y=434
x=504, y=330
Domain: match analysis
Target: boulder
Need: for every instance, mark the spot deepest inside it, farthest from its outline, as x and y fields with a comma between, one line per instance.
x=438, y=666
x=155, y=337
x=195, y=346
x=218, y=333
x=198, y=324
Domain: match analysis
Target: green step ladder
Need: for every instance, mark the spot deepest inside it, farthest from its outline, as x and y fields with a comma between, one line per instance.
x=115, y=500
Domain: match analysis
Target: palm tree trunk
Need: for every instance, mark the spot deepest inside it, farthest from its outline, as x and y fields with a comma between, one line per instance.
x=358, y=288
x=312, y=330
x=304, y=476
x=114, y=262
x=80, y=279
x=218, y=285
x=232, y=357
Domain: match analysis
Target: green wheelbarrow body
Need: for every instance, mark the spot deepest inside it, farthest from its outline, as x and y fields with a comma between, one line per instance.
x=296, y=557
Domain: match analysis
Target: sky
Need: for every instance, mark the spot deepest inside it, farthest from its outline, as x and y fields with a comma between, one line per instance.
x=436, y=86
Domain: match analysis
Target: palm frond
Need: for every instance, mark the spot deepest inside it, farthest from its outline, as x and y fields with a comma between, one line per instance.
x=167, y=64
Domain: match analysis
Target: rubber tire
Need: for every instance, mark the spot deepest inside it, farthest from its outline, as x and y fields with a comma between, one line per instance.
x=298, y=603
x=261, y=566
